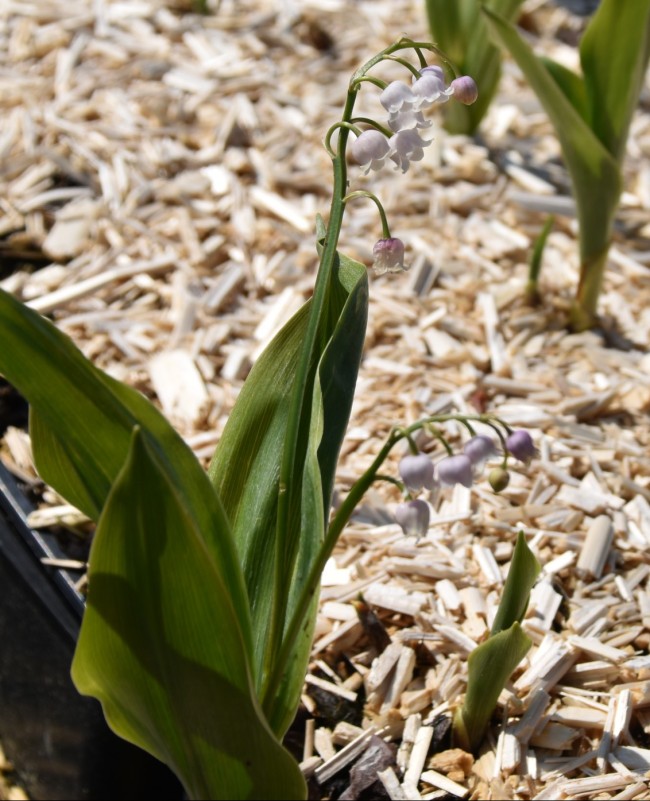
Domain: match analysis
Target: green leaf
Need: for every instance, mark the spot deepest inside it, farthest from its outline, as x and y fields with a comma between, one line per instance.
x=523, y=572
x=161, y=645
x=491, y=664
x=572, y=85
x=535, y=266
x=246, y=466
x=60, y=468
x=458, y=28
x=489, y=668
x=614, y=53
x=83, y=421
x=56, y=379
x=162, y=511
x=594, y=173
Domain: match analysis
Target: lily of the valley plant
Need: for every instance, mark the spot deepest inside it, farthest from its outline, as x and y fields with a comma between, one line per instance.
x=591, y=113
x=203, y=588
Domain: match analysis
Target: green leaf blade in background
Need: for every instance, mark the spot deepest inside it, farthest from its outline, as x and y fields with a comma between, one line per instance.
x=333, y=394
x=171, y=668
x=51, y=373
x=458, y=28
x=595, y=174
x=571, y=85
x=61, y=468
x=254, y=436
x=614, y=54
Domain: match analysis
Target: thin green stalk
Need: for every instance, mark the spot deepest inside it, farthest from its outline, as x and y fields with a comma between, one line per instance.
x=595, y=226
x=297, y=409
x=312, y=583
x=385, y=229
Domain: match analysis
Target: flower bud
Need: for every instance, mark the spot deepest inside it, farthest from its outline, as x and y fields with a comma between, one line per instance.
x=465, y=90
x=498, y=479
x=520, y=444
x=388, y=256
x=479, y=449
x=456, y=470
x=417, y=472
x=413, y=517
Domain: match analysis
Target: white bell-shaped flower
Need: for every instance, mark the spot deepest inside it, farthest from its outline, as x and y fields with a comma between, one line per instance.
x=370, y=150
x=397, y=96
x=407, y=120
x=407, y=146
x=413, y=517
x=430, y=88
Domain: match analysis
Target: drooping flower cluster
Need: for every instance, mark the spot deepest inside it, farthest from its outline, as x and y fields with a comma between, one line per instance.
x=418, y=472
x=405, y=105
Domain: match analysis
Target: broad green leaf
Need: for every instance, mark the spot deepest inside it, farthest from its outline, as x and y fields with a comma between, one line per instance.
x=458, y=28
x=161, y=645
x=489, y=668
x=83, y=421
x=71, y=400
x=594, y=173
x=246, y=465
x=614, y=53
x=524, y=569
x=572, y=85
x=63, y=470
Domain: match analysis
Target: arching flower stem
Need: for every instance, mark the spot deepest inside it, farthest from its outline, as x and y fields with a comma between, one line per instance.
x=337, y=126
x=413, y=70
x=374, y=124
x=382, y=214
x=402, y=44
x=392, y=480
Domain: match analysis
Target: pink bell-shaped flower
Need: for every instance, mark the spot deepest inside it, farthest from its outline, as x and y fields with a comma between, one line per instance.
x=520, y=444
x=388, y=256
x=479, y=449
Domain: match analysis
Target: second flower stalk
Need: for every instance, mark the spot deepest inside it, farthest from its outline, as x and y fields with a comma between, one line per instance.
x=418, y=472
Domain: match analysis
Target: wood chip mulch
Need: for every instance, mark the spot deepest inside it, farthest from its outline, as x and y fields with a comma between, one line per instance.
x=160, y=173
